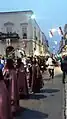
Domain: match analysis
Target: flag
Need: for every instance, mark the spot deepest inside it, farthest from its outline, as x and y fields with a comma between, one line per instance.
x=50, y=34
x=60, y=31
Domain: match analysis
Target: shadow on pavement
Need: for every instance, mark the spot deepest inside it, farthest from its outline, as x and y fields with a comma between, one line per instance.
x=37, y=96
x=58, y=76
x=47, y=79
x=31, y=114
x=49, y=90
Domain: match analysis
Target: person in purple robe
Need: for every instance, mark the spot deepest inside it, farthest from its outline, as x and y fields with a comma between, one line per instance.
x=5, y=110
x=10, y=78
x=22, y=81
x=40, y=82
x=36, y=77
x=30, y=70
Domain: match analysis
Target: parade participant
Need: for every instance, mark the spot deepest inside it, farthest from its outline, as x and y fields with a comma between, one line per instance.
x=36, y=77
x=10, y=78
x=50, y=66
x=64, y=67
x=24, y=61
x=5, y=111
x=39, y=77
x=3, y=60
x=1, y=65
x=22, y=82
x=30, y=70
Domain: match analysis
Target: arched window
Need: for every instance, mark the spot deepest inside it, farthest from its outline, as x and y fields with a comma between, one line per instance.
x=9, y=27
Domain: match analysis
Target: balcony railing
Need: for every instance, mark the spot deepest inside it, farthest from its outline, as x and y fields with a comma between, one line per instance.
x=4, y=36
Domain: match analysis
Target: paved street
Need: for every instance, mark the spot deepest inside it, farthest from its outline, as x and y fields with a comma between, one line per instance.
x=66, y=96
x=46, y=105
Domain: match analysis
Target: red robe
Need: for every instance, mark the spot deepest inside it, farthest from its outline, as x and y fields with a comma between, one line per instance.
x=22, y=81
x=36, y=79
x=5, y=110
x=13, y=89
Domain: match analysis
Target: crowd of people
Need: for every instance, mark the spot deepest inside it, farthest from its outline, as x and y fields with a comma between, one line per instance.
x=14, y=86
x=19, y=78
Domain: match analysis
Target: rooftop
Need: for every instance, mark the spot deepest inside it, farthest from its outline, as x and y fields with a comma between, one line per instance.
x=27, y=11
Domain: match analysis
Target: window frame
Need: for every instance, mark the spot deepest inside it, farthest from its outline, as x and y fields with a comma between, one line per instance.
x=9, y=25
x=24, y=27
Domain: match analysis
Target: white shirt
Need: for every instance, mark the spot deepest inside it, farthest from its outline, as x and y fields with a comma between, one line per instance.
x=50, y=63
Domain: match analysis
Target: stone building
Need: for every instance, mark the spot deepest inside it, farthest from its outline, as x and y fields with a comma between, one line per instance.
x=31, y=37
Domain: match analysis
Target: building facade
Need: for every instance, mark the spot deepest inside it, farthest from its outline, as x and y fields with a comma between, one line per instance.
x=63, y=42
x=31, y=37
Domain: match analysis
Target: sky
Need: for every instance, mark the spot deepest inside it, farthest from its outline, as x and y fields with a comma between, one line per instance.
x=49, y=14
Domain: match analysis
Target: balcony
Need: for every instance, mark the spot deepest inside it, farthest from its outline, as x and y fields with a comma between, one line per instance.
x=12, y=36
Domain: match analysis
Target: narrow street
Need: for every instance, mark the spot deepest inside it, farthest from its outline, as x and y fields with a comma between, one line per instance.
x=46, y=105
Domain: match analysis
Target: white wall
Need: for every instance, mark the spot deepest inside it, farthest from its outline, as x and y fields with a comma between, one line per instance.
x=37, y=29
x=17, y=19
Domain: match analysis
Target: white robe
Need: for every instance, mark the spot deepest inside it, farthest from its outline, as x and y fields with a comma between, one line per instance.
x=50, y=63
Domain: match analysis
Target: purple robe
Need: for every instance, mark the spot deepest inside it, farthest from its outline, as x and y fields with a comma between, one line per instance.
x=40, y=82
x=5, y=110
x=13, y=90
x=22, y=81
x=36, y=79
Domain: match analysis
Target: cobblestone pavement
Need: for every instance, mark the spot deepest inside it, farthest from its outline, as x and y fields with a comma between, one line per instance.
x=46, y=105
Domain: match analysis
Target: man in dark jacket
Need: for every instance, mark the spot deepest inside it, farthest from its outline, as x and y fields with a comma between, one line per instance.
x=64, y=67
